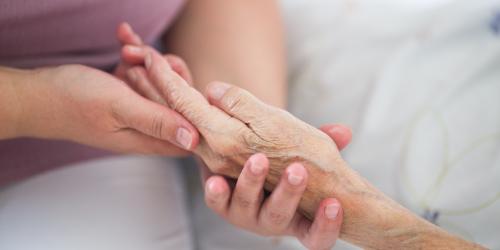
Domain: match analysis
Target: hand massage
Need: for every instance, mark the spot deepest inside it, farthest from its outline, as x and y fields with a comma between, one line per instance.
x=85, y=149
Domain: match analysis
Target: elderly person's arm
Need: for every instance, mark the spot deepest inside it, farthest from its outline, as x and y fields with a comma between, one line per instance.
x=234, y=125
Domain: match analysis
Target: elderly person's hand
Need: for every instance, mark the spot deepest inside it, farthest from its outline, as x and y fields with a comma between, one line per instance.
x=235, y=125
x=247, y=207
x=88, y=106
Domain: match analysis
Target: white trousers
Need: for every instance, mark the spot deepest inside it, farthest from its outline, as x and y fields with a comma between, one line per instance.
x=118, y=203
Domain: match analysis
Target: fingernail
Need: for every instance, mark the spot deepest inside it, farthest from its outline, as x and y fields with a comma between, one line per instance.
x=134, y=49
x=332, y=210
x=294, y=176
x=212, y=188
x=147, y=60
x=255, y=166
x=218, y=90
x=184, y=138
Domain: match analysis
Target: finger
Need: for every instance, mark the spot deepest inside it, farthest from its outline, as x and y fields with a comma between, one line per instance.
x=339, y=133
x=217, y=194
x=155, y=120
x=324, y=231
x=132, y=141
x=135, y=55
x=248, y=193
x=279, y=209
x=126, y=35
x=235, y=101
x=138, y=79
x=187, y=100
x=180, y=67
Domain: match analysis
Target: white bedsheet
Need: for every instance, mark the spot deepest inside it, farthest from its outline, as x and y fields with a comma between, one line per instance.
x=419, y=82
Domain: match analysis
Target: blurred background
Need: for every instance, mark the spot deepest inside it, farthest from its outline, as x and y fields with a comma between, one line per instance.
x=419, y=83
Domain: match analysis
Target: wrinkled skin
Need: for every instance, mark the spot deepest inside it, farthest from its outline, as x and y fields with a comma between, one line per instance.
x=274, y=132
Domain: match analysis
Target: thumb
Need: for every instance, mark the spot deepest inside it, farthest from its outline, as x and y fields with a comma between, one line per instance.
x=155, y=120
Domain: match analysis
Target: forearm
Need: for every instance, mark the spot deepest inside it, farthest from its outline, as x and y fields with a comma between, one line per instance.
x=371, y=219
x=240, y=42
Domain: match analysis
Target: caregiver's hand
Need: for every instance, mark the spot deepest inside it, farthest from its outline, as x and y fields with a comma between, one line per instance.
x=246, y=206
x=91, y=107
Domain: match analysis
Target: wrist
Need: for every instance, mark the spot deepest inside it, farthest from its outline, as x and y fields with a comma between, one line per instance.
x=374, y=221
x=10, y=106
x=371, y=219
x=24, y=101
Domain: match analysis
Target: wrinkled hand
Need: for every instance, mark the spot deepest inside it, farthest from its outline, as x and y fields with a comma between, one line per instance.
x=91, y=107
x=246, y=206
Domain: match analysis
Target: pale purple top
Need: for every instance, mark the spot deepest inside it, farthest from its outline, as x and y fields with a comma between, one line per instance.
x=36, y=33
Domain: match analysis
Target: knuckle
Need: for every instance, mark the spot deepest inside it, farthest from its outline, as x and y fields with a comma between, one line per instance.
x=158, y=123
x=234, y=103
x=251, y=181
x=176, y=100
x=214, y=203
x=277, y=220
x=292, y=191
x=211, y=202
x=236, y=100
x=243, y=201
x=165, y=81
